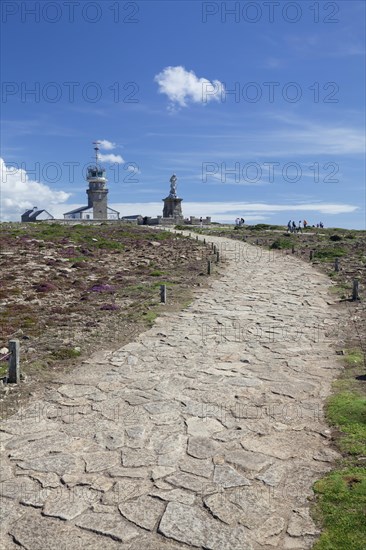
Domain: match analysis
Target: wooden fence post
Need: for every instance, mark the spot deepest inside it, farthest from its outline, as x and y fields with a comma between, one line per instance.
x=336, y=264
x=163, y=294
x=355, y=295
x=311, y=254
x=208, y=267
x=14, y=368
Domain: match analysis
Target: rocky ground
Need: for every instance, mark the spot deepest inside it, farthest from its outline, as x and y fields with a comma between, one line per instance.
x=320, y=247
x=205, y=432
x=68, y=291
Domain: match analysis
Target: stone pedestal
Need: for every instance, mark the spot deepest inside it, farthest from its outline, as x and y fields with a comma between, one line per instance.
x=172, y=208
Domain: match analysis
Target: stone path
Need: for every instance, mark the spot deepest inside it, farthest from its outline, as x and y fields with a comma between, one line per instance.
x=207, y=432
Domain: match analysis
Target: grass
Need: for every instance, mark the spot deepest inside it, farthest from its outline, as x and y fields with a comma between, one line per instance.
x=159, y=283
x=150, y=317
x=157, y=273
x=341, y=494
x=279, y=244
x=265, y=227
x=4, y=370
x=341, y=497
x=162, y=236
x=65, y=353
x=347, y=411
x=327, y=254
x=342, y=289
x=354, y=357
x=38, y=366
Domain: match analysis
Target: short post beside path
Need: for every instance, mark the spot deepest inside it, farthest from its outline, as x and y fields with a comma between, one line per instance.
x=163, y=294
x=355, y=294
x=14, y=365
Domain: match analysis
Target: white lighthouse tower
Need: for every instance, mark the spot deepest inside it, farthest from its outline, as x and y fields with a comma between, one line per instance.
x=97, y=192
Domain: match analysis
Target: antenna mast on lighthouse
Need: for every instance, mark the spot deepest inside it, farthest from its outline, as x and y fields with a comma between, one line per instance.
x=96, y=149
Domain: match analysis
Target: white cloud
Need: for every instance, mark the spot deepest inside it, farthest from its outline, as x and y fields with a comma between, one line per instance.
x=106, y=145
x=183, y=86
x=111, y=157
x=329, y=140
x=274, y=63
x=19, y=193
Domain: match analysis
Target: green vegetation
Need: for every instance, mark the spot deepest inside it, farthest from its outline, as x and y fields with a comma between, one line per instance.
x=341, y=494
x=38, y=366
x=157, y=273
x=166, y=283
x=65, y=353
x=347, y=411
x=354, y=358
x=150, y=317
x=328, y=254
x=265, y=227
x=342, y=289
x=109, y=245
x=161, y=236
x=341, y=501
x=3, y=370
x=279, y=244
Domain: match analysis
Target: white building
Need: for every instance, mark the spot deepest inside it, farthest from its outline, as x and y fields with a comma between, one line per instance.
x=97, y=208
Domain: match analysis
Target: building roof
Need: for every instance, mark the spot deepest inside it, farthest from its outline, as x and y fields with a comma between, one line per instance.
x=81, y=209
x=35, y=213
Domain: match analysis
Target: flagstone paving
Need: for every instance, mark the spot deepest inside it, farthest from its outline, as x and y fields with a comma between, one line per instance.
x=206, y=432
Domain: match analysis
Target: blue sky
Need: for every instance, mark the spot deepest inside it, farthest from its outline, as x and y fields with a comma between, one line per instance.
x=153, y=80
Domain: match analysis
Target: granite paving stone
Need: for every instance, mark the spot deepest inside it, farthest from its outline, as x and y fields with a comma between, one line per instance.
x=145, y=511
x=69, y=503
x=108, y=524
x=207, y=431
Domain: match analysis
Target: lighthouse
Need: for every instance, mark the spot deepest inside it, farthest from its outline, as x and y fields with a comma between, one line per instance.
x=97, y=192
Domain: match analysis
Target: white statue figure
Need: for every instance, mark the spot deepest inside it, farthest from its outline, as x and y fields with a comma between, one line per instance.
x=173, y=186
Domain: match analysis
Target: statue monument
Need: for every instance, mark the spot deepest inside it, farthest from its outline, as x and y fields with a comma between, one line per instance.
x=172, y=203
x=173, y=186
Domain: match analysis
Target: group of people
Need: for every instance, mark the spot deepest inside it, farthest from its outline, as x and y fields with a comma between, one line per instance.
x=239, y=221
x=293, y=228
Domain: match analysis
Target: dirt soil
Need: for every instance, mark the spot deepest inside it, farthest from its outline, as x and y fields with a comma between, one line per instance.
x=69, y=291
